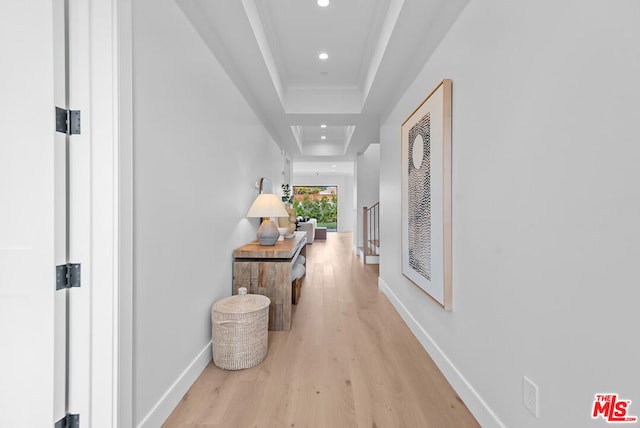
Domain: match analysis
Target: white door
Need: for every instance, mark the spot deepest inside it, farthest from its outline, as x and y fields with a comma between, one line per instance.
x=35, y=221
x=61, y=244
x=51, y=213
x=31, y=392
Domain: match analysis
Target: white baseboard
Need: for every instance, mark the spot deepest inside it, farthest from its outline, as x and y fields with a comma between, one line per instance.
x=372, y=260
x=163, y=408
x=474, y=402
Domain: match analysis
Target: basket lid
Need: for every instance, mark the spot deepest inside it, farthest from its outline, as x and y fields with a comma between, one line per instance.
x=241, y=304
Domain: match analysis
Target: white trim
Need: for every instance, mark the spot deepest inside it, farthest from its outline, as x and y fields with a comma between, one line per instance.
x=372, y=260
x=83, y=186
x=163, y=408
x=474, y=402
x=103, y=127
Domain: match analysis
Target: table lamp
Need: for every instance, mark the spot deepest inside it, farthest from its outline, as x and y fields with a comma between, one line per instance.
x=267, y=205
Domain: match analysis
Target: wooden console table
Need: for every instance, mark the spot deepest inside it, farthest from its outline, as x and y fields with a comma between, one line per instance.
x=266, y=270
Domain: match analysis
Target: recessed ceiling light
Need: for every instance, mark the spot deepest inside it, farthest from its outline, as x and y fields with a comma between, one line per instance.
x=323, y=126
x=323, y=3
x=324, y=137
x=323, y=56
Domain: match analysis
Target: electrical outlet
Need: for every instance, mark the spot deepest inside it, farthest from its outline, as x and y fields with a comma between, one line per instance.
x=530, y=395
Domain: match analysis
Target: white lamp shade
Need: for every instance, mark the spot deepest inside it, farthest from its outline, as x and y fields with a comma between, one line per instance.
x=267, y=205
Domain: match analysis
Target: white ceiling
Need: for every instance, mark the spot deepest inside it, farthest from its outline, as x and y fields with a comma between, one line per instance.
x=297, y=57
x=270, y=50
x=323, y=168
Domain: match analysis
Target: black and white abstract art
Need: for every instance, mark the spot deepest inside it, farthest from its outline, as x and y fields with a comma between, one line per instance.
x=419, y=194
x=426, y=195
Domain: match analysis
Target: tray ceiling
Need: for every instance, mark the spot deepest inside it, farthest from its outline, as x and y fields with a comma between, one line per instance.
x=270, y=50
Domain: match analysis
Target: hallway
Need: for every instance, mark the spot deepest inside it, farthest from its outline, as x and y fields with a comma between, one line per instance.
x=349, y=360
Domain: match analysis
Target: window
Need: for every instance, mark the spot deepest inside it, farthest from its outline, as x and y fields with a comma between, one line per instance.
x=319, y=202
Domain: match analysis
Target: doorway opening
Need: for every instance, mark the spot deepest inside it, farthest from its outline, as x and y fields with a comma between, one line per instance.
x=319, y=202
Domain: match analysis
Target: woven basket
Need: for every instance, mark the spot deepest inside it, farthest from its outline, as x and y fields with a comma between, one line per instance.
x=240, y=330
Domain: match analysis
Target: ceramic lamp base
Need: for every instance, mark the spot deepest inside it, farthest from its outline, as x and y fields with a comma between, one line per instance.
x=268, y=233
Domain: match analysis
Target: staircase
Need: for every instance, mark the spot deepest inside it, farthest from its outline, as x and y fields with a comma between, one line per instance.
x=371, y=234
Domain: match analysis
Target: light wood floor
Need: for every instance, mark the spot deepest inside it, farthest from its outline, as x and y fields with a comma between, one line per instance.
x=348, y=361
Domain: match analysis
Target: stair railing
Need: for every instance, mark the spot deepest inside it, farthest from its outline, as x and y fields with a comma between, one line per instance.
x=371, y=230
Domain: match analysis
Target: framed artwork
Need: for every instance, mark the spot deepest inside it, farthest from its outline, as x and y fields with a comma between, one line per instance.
x=426, y=195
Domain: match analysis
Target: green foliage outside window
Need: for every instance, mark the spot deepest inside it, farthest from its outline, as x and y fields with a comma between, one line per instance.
x=309, y=203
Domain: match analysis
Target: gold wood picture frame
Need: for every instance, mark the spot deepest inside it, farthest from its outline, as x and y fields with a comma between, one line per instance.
x=426, y=195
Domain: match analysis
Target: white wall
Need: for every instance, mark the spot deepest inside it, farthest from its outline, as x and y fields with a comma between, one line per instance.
x=546, y=208
x=198, y=151
x=344, y=182
x=367, y=186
